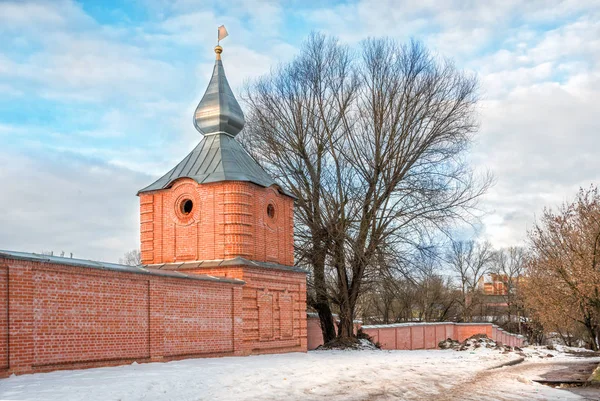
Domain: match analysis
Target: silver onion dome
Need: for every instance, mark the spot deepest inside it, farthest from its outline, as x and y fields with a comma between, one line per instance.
x=218, y=156
x=218, y=111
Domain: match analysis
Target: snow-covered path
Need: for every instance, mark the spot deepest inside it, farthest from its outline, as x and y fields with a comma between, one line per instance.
x=515, y=383
x=332, y=375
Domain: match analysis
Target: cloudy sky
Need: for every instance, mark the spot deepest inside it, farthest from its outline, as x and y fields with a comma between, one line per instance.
x=96, y=99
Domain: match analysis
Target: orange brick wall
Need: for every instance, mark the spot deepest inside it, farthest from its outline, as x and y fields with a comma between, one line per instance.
x=67, y=317
x=229, y=219
x=274, y=308
x=3, y=317
x=411, y=336
x=274, y=311
x=78, y=317
x=462, y=332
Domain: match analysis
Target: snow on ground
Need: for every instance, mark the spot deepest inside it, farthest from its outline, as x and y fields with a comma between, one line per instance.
x=332, y=375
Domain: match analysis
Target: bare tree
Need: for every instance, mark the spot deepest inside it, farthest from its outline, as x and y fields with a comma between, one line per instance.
x=131, y=258
x=372, y=145
x=470, y=261
x=417, y=293
x=435, y=298
x=509, y=266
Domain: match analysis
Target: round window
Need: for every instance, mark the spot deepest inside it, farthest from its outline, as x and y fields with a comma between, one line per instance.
x=271, y=211
x=186, y=206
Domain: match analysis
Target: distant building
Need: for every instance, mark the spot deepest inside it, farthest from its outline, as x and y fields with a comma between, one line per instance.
x=493, y=284
x=495, y=296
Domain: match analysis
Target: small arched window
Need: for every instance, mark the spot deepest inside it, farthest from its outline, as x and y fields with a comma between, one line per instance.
x=186, y=206
x=271, y=211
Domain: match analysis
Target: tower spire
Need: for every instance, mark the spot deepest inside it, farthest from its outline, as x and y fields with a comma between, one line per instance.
x=219, y=112
x=218, y=156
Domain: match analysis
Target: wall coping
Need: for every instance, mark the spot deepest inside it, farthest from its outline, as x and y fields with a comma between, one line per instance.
x=237, y=261
x=407, y=324
x=91, y=264
x=315, y=315
x=410, y=324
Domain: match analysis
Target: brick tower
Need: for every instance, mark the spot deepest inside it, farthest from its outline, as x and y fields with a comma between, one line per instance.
x=218, y=212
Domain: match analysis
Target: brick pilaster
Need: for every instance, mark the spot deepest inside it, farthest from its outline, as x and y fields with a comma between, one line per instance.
x=20, y=319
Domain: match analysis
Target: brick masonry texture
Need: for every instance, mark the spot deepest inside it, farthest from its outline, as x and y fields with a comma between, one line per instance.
x=274, y=308
x=412, y=336
x=428, y=335
x=228, y=219
x=55, y=316
x=231, y=219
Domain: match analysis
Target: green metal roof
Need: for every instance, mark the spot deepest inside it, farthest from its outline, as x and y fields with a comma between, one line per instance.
x=216, y=158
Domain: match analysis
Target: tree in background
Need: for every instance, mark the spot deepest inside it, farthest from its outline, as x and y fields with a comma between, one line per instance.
x=131, y=258
x=372, y=144
x=470, y=261
x=508, y=264
x=420, y=293
x=562, y=288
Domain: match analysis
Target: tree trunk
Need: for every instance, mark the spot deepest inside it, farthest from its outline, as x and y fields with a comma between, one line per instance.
x=346, y=325
x=386, y=312
x=327, y=325
x=322, y=300
x=593, y=332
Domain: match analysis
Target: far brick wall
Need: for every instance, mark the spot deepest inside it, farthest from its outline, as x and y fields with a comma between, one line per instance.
x=229, y=219
x=413, y=336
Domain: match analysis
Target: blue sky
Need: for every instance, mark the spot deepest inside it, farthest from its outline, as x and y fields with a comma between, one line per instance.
x=96, y=99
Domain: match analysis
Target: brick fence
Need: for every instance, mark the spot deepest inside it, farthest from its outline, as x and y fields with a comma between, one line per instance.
x=413, y=336
x=63, y=316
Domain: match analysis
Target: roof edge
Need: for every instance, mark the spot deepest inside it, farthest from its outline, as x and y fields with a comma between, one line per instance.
x=237, y=261
x=279, y=188
x=92, y=264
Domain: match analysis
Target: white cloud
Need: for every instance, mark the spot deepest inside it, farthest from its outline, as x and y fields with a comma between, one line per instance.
x=539, y=111
x=540, y=87
x=540, y=141
x=60, y=202
x=15, y=14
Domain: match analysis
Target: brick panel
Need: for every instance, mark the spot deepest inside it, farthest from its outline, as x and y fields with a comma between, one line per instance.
x=286, y=315
x=265, y=316
x=417, y=334
x=387, y=338
x=468, y=330
x=198, y=321
x=430, y=337
x=403, y=339
x=80, y=317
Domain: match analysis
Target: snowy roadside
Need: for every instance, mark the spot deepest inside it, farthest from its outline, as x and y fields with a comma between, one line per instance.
x=334, y=375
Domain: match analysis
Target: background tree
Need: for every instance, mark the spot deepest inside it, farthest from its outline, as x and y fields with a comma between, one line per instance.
x=416, y=292
x=131, y=258
x=509, y=266
x=470, y=261
x=372, y=144
x=562, y=286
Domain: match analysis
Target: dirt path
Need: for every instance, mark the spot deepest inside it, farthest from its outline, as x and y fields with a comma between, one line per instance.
x=515, y=382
